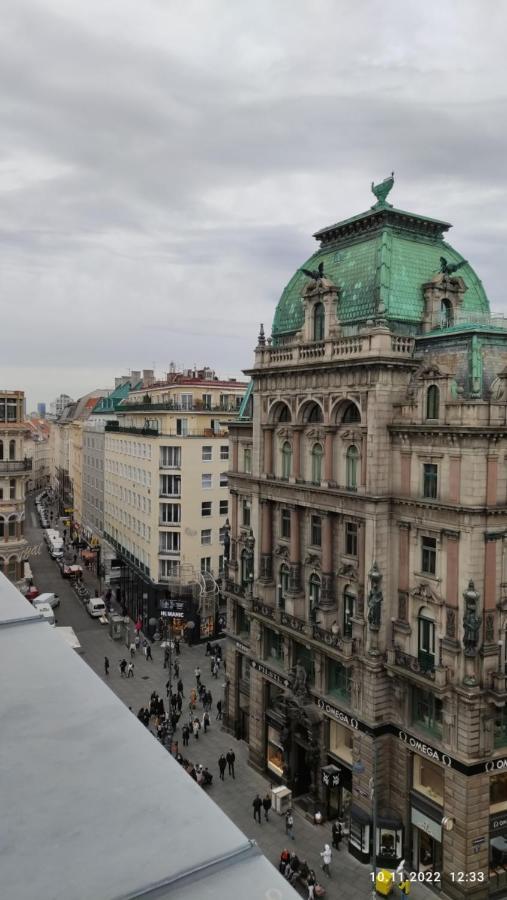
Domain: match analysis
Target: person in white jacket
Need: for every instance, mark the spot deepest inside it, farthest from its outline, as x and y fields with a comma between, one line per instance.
x=326, y=859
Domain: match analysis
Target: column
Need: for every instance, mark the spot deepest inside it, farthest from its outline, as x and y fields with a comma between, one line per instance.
x=451, y=592
x=234, y=528
x=295, y=551
x=491, y=480
x=406, y=460
x=296, y=453
x=454, y=479
x=328, y=455
x=404, y=569
x=266, y=573
x=327, y=594
x=268, y=450
x=235, y=450
x=488, y=633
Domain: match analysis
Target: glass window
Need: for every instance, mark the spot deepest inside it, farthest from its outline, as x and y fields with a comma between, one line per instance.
x=242, y=621
x=428, y=779
x=206, y=401
x=273, y=645
x=351, y=414
x=207, y=453
x=224, y=507
x=430, y=476
x=429, y=555
x=349, y=611
x=316, y=531
x=446, y=313
x=12, y=449
x=314, y=589
x=205, y=563
x=221, y=534
x=338, y=680
x=170, y=513
x=247, y=460
x=206, y=480
x=286, y=460
x=427, y=711
x=12, y=488
x=224, y=451
x=186, y=401
x=206, y=506
x=285, y=523
x=351, y=539
x=275, y=754
x=304, y=656
x=170, y=457
x=224, y=481
x=498, y=792
x=170, y=485
x=432, y=402
x=169, y=541
x=206, y=536
x=340, y=741
x=351, y=467
x=182, y=427
x=317, y=453
x=246, y=510
x=426, y=641
x=500, y=734
x=318, y=322
x=283, y=585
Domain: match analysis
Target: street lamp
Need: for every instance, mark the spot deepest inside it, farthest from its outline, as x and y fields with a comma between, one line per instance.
x=358, y=769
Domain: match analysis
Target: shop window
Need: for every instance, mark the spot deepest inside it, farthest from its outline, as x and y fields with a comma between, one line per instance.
x=273, y=645
x=285, y=524
x=430, y=481
x=340, y=741
x=428, y=779
x=349, y=611
x=427, y=711
x=429, y=555
x=432, y=402
x=500, y=733
x=360, y=835
x=317, y=453
x=318, y=322
x=426, y=640
x=242, y=622
x=275, y=756
x=351, y=539
x=286, y=460
x=338, y=680
x=498, y=792
x=389, y=843
x=316, y=531
x=352, y=458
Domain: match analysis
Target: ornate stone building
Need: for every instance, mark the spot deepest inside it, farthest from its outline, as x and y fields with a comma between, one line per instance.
x=366, y=577
x=15, y=470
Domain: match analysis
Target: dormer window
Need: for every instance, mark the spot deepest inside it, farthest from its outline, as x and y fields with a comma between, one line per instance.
x=318, y=322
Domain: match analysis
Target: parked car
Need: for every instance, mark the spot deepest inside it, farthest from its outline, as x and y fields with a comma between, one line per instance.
x=69, y=571
x=46, y=612
x=52, y=599
x=96, y=607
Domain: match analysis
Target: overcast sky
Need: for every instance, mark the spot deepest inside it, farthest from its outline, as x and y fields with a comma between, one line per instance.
x=163, y=165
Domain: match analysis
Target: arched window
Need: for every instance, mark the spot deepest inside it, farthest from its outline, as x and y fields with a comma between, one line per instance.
x=351, y=473
x=313, y=413
x=283, y=585
x=318, y=322
x=1, y=449
x=317, y=453
x=426, y=640
x=432, y=402
x=446, y=314
x=314, y=593
x=283, y=413
x=11, y=527
x=351, y=414
x=12, y=449
x=2, y=527
x=286, y=460
x=349, y=610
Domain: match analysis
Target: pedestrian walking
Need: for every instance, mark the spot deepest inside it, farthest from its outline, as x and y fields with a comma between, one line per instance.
x=289, y=824
x=222, y=762
x=147, y=652
x=197, y=673
x=214, y=670
x=337, y=834
x=176, y=669
x=196, y=727
x=257, y=806
x=179, y=702
x=326, y=859
x=130, y=670
x=205, y=721
x=180, y=687
x=166, y=657
x=177, y=646
x=291, y=872
x=138, y=626
x=311, y=882
x=231, y=759
x=137, y=642
x=185, y=734
x=123, y=666
x=267, y=806
x=219, y=709
x=132, y=650
x=106, y=665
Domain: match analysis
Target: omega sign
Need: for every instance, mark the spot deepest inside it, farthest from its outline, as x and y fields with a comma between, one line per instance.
x=421, y=747
x=496, y=765
x=336, y=713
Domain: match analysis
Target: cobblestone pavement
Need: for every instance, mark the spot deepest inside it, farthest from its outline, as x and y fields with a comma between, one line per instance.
x=349, y=879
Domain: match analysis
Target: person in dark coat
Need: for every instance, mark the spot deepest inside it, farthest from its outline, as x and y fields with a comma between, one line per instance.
x=231, y=759
x=337, y=834
x=185, y=735
x=180, y=687
x=257, y=806
x=219, y=709
x=106, y=665
x=222, y=762
x=267, y=806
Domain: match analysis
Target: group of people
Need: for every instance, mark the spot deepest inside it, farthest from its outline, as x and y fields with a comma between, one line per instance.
x=292, y=868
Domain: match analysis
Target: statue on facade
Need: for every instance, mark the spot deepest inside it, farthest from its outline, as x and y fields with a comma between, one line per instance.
x=447, y=268
x=381, y=190
x=471, y=621
x=375, y=598
x=314, y=274
x=312, y=760
x=299, y=680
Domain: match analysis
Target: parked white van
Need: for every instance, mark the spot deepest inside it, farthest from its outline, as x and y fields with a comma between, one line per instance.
x=46, y=612
x=96, y=607
x=52, y=599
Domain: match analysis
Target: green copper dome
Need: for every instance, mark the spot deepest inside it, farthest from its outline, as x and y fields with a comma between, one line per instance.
x=384, y=255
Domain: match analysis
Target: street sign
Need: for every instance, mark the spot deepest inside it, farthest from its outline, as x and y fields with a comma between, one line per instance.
x=172, y=614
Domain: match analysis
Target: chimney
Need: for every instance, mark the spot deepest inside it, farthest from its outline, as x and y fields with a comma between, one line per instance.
x=148, y=377
x=135, y=377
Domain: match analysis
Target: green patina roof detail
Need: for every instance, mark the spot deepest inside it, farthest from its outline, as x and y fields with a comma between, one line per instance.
x=245, y=407
x=390, y=264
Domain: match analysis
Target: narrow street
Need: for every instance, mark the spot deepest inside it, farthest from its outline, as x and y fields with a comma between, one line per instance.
x=350, y=880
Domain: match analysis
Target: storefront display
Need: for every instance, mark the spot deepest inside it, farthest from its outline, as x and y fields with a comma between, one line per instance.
x=426, y=842
x=359, y=836
x=274, y=753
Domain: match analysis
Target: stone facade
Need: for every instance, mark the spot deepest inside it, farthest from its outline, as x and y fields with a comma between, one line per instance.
x=366, y=575
x=15, y=470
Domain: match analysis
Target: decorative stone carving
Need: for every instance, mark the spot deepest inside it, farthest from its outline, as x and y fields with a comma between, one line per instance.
x=311, y=559
x=375, y=598
x=450, y=624
x=402, y=606
x=471, y=621
x=349, y=571
x=424, y=593
x=282, y=551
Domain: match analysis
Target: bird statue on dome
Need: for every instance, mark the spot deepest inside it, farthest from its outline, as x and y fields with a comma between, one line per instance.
x=316, y=274
x=447, y=268
x=381, y=191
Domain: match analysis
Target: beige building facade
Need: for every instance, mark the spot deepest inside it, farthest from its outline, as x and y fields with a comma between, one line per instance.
x=166, y=499
x=15, y=469
x=367, y=565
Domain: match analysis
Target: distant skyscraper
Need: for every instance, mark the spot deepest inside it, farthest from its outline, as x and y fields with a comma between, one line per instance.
x=41, y=409
x=58, y=405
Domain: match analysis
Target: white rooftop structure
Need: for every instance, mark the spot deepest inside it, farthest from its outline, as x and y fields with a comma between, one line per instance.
x=92, y=806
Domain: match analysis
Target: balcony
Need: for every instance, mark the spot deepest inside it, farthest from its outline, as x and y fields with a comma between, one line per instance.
x=130, y=429
x=8, y=466
x=295, y=624
x=169, y=406
x=345, y=645
x=373, y=344
x=422, y=666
